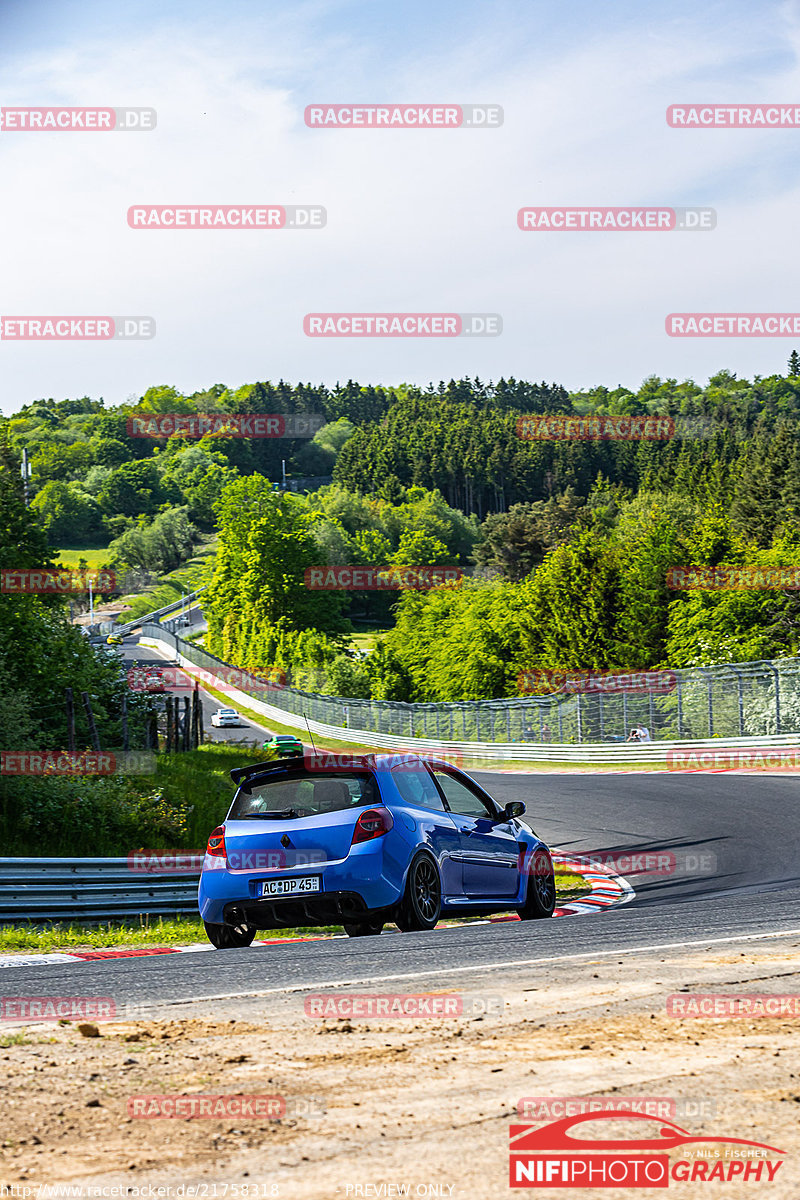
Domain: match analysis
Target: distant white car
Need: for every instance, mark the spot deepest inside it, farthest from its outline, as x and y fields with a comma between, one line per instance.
x=225, y=716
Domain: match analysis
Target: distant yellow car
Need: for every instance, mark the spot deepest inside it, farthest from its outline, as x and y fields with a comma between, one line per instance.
x=115, y=639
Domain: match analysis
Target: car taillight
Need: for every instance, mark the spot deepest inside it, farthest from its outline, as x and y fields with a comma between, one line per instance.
x=373, y=823
x=216, y=843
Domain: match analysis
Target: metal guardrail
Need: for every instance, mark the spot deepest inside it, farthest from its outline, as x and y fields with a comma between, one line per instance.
x=190, y=597
x=89, y=889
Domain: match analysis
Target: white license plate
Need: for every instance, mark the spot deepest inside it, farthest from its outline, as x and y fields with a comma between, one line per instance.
x=299, y=885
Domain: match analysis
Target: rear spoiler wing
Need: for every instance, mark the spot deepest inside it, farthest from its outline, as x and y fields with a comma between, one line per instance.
x=238, y=774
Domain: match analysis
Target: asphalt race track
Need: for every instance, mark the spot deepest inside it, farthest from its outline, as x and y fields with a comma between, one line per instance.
x=735, y=877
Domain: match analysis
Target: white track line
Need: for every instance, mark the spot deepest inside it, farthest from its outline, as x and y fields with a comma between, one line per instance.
x=492, y=966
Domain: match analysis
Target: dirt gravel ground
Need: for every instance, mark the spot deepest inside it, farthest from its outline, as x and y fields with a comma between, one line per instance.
x=414, y=1107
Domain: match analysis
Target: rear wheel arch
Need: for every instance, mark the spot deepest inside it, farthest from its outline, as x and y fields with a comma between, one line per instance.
x=420, y=907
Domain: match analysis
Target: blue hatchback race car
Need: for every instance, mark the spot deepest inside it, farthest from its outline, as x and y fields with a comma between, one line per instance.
x=361, y=840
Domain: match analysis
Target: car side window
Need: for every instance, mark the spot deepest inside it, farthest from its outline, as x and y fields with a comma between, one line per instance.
x=416, y=787
x=461, y=800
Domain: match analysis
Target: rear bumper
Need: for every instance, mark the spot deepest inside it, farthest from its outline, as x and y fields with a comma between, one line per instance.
x=327, y=908
x=370, y=879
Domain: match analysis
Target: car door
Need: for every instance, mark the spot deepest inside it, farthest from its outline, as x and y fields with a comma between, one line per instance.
x=489, y=852
x=433, y=822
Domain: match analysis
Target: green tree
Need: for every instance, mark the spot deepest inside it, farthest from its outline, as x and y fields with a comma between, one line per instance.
x=160, y=546
x=516, y=541
x=570, y=607
x=266, y=543
x=66, y=512
x=135, y=488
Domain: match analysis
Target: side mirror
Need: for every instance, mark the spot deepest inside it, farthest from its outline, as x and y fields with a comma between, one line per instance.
x=513, y=809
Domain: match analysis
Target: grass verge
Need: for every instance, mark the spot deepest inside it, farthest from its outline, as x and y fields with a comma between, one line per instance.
x=191, y=575
x=178, y=931
x=200, y=779
x=95, y=556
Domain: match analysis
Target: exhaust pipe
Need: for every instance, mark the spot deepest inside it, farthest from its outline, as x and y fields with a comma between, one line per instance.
x=236, y=917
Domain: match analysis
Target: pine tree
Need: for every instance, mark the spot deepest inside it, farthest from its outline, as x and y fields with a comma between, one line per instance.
x=758, y=503
x=794, y=363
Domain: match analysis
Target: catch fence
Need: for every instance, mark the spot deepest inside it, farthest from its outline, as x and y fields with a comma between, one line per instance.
x=755, y=699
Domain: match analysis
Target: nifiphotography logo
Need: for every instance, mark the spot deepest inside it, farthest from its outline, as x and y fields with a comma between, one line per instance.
x=561, y=1155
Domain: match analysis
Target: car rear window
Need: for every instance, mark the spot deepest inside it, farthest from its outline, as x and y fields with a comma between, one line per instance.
x=304, y=795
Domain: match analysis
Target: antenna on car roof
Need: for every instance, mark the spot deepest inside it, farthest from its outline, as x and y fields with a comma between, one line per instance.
x=310, y=734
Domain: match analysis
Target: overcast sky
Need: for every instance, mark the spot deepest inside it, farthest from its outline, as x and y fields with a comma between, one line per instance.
x=418, y=220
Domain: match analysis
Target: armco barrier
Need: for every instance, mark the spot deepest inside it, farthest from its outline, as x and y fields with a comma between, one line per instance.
x=89, y=889
x=148, y=618
x=510, y=751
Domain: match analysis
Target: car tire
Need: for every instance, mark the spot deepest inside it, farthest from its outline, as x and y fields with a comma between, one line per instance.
x=540, y=897
x=421, y=906
x=363, y=928
x=225, y=937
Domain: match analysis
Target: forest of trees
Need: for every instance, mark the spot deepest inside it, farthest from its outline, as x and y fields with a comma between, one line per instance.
x=566, y=544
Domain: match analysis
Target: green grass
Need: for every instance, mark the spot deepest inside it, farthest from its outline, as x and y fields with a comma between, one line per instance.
x=149, y=601
x=178, y=931
x=364, y=639
x=95, y=557
x=569, y=886
x=13, y=1039
x=153, y=931
x=202, y=779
